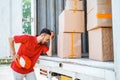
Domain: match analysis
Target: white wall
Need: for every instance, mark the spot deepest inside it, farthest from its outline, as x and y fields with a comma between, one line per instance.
x=4, y=27
x=10, y=23
x=116, y=36
x=33, y=15
x=16, y=17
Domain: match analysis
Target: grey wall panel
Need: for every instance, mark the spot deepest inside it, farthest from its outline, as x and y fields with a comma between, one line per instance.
x=85, y=34
x=47, y=16
x=52, y=15
x=51, y=19
x=59, y=9
x=41, y=15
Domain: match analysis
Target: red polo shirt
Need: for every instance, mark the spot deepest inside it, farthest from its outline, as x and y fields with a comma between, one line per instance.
x=30, y=48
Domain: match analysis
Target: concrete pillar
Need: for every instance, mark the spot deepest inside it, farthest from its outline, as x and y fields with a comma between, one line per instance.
x=116, y=36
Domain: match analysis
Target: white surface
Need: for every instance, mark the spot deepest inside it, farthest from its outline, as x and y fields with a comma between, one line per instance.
x=116, y=35
x=80, y=68
x=4, y=27
x=33, y=15
x=81, y=61
x=6, y=74
x=22, y=62
x=75, y=69
x=10, y=23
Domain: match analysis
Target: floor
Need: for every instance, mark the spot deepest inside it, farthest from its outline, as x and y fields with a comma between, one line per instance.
x=6, y=73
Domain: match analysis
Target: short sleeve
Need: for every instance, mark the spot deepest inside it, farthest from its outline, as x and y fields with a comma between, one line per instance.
x=45, y=49
x=21, y=38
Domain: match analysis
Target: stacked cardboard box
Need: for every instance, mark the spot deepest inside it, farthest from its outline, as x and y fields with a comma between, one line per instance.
x=98, y=14
x=71, y=25
x=69, y=45
x=74, y=4
x=70, y=21
x=99, y=26
x=100, y=44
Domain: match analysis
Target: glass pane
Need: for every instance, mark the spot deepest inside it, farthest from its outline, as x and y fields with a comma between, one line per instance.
x=26, y=8
x=26, y=27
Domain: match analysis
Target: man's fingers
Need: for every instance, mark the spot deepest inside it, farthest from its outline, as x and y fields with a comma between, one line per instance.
x=52, y=35
x=42, y=37
x=15, y=57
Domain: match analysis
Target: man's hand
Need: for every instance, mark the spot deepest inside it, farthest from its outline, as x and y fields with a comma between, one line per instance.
x=49, y=52
x=42, y=37
x=52, y=35
x=15, y=57
x=12, y=49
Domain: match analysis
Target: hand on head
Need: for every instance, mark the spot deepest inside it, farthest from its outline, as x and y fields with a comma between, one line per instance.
x=52, y=35
x=42, y=37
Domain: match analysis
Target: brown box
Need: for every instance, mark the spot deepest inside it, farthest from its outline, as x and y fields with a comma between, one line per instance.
x=74, y=5
x=99, y=14
x=92, y=4
x=100, y=44
x=70, y=21
x=69, y=45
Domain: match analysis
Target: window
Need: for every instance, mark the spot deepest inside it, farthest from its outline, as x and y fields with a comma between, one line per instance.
x=26, y=20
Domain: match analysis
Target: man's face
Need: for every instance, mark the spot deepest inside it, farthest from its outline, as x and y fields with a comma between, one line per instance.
x=45, y=39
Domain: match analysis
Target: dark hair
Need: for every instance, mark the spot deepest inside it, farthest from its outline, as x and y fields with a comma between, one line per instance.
x=45, y=30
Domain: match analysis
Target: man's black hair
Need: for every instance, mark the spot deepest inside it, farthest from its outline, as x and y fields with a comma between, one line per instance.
x=45, y=30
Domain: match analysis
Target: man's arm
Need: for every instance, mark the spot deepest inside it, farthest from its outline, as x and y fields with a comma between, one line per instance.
x=12, y=48
x=49, y=52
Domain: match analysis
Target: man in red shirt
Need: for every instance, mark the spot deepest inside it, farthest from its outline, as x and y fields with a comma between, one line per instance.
x=29, y=51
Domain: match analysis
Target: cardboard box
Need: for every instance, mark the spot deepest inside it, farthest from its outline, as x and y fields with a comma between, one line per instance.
x=101, y=44
x=69, y=45
x=99, y=14
x=74, y=5
x=65, y=78
x=91, y=4
x=70, y=21
x=96, y=19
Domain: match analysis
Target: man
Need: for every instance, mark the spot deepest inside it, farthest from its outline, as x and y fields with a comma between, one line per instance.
x=29, y=51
